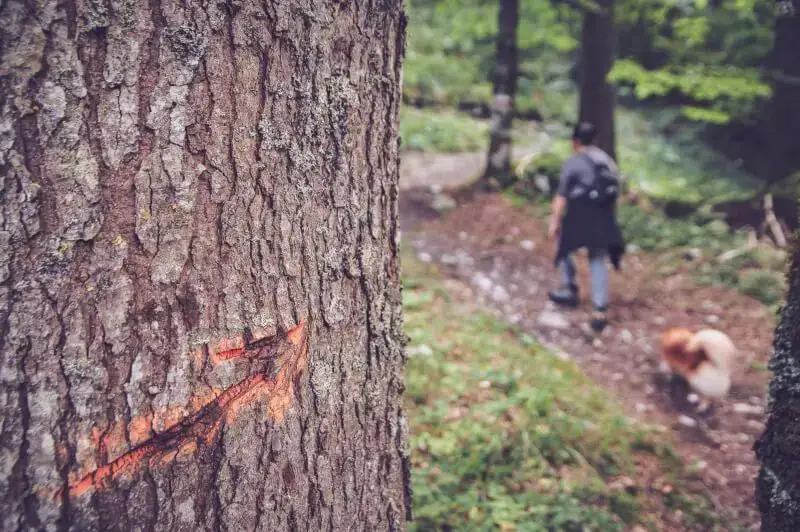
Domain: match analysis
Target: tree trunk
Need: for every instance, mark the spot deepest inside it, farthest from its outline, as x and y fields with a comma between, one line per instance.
x=498, y=162
x=200, y=323
x=597, y=57
x=778, y=483
x=782, y=124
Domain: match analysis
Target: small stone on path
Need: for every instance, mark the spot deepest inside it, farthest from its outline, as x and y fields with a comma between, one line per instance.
x=483, y=282
x=552, y=320
x=748, y=410
x=422, y=350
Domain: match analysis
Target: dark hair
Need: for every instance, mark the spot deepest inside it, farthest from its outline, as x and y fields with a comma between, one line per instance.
x=584, y=133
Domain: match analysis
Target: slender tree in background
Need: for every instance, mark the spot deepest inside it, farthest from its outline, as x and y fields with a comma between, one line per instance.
x=782, y=118
x=596, y=59
x=498, y=162
x=200, y=323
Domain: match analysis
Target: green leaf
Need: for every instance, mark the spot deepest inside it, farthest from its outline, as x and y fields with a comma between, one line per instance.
x=704, y=114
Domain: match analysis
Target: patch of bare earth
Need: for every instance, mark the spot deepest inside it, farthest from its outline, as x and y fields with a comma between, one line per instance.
x=499, y=257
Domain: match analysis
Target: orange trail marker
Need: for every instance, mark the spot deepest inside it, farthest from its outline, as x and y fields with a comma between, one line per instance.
x=203, y=427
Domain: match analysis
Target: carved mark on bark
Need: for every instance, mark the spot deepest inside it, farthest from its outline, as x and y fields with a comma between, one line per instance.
x=281, y=360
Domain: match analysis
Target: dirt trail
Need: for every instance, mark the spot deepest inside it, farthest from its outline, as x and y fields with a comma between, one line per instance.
x=498, y=257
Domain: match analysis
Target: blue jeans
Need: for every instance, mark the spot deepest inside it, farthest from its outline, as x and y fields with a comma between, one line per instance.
x=599, y=275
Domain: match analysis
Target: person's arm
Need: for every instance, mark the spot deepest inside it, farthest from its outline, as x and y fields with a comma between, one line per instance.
x=559, y=201
x=557, y=212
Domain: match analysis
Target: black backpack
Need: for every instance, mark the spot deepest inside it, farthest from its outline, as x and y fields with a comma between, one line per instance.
x=604, y=189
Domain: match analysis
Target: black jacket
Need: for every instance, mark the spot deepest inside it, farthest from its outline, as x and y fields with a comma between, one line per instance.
x=589, y=224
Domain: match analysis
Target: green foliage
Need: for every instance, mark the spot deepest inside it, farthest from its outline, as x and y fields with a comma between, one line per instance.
x=709, y=52
x=700, y=114
x=546, y=165
x=763, y=285
x=451, y=51
x=507, y=435
x=679, y=167
x=443, y=131
x=757, y=272
x=653, y=231
x=725, y=89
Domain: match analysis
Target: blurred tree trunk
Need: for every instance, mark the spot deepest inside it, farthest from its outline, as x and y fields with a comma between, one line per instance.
x=498, y=162
x=782, y=124
x=597, y=57
x=200, y=323
x=778, y=483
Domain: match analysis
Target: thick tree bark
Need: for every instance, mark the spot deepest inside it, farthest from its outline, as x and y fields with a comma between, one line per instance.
x=782, y=120
x=597, y=97
x=200, y=324
x=498, y=162
x=778, y=484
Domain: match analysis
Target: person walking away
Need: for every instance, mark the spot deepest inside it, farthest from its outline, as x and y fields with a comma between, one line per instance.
x=584, y=216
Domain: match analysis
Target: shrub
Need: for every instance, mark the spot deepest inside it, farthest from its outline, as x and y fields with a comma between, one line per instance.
x=545, y=167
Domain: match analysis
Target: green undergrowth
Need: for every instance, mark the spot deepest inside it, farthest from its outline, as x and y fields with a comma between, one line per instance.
x=677, y=167
x=506, y=435
x=441, y=131
x=707, y=247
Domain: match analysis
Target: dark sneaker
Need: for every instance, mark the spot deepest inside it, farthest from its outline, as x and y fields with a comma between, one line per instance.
x=598, y=321
x=567, y=296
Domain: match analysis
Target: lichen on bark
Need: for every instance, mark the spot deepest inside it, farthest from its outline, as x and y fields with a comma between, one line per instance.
x=778, y=485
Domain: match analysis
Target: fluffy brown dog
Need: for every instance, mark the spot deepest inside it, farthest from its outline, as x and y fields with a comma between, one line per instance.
x=703, y=358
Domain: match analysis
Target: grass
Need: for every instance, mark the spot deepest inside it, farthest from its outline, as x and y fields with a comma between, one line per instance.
x=506, y=435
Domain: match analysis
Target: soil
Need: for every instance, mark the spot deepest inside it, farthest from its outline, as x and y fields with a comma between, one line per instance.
x=498, y=256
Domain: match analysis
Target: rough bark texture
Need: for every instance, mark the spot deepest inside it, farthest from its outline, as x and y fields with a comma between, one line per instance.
x=778, y=449
x=498, y=163
x=597, y=95
x=200, y=323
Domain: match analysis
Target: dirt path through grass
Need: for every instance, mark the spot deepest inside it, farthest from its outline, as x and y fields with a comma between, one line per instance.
x=495, y=254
